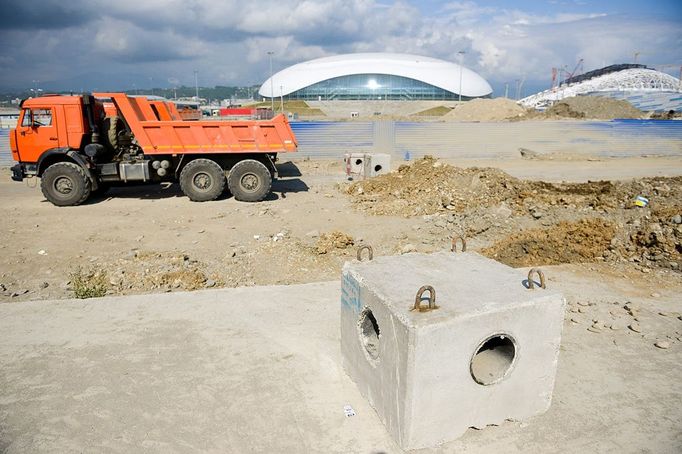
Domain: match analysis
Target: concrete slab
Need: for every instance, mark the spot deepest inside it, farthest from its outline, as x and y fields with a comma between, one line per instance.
x=258, y=370
x=234, y=370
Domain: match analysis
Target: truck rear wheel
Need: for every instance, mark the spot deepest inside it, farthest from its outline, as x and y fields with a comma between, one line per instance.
x=202, y=180
x=249, y=181
x=65, y=184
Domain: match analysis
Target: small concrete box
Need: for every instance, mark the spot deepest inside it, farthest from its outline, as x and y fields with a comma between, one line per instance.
x=488, y=352
x=377, y=164
x=355, y=163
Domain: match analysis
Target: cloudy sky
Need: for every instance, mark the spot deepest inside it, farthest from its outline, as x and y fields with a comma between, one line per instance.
x=96, y=44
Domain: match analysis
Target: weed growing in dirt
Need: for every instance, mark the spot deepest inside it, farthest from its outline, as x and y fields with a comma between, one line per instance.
x=89, y=284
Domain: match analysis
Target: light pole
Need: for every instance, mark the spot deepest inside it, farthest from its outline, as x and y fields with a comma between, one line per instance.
x=196, y=84
x=272, y=89
x=281, y=97
x=461, y=58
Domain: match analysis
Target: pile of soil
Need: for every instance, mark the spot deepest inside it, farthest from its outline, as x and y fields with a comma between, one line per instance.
x=583, y=221
x=565, y=242
x=429, y=186
x=333, y=241
x=481, y=109
x=592, y=107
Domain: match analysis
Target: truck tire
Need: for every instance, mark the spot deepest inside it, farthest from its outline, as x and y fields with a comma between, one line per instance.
x=65, y=184
x=249, y=181
x=202, y=180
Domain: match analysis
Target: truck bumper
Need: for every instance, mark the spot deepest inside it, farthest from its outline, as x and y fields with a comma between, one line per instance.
x=17, y=172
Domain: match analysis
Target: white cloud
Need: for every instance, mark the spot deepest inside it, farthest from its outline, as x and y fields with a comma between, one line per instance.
x=228, y=40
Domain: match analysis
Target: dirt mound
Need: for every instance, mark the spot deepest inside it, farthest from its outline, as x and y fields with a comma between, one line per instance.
x=333, y=241
x=428, y=186
x=565, y=242
x=476, y=201
x=592, y=107
x=480, y=109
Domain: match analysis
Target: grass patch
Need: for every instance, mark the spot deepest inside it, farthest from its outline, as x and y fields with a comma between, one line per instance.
x=89, y=284
x=438, y=111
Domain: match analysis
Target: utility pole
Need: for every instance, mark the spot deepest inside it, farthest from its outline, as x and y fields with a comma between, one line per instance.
x=196, y=84
x=272, y=90
x=461, y=58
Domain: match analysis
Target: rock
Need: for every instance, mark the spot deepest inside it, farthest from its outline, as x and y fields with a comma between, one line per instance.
x=42, y=252
x=201, y=231
x=655, y=295
x=635, y=327
x=583, y=303
x=139, y=238
x=677, y=219
x=594, y=329
x=2, y=288
x=528, y=154
x=662, y=344
x=408, y=248
x=44, y=285
x=210, y=283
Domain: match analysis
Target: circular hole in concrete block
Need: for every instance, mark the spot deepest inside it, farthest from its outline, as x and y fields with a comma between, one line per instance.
x=358, y=162
x=377, y=168
x=493, y=359
x=369, y=333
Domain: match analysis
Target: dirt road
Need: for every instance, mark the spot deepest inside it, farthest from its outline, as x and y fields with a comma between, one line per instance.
x=152, y=239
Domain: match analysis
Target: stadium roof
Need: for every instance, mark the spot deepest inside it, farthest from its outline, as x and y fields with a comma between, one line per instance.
x=439, y=73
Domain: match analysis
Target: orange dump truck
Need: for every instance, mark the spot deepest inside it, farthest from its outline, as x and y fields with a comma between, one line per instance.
x=81, y=145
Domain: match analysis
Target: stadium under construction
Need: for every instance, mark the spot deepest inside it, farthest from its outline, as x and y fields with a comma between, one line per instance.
x=645, y=88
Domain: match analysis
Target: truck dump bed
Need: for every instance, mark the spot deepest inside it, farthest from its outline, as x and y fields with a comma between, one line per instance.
x=189, y=137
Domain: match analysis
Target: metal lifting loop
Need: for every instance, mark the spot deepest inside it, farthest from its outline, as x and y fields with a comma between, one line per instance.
x=454, y=243
x=538, y=271
x=370, y=254
x=418, y=298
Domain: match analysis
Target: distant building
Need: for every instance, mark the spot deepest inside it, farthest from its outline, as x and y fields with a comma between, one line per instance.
x=645, y=88
x=376, y=76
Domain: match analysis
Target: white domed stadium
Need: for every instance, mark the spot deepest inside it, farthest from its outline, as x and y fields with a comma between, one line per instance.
x=376, y=76
x=645, y=88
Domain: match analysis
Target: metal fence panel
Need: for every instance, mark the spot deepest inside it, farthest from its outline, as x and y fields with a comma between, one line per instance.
x=618, y=138
x=5, y=153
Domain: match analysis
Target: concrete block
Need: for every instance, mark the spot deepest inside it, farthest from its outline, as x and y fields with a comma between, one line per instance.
x=377, y=164
x=355, y=164
x=487, y=353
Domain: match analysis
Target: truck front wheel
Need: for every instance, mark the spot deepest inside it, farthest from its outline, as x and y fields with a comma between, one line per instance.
x=202, y=180
x=249, y=181
x=65, y=184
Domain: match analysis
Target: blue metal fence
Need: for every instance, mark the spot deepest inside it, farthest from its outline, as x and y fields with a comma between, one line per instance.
x=618, y=138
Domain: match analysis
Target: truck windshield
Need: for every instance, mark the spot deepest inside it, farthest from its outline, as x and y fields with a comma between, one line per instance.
x=37, y=117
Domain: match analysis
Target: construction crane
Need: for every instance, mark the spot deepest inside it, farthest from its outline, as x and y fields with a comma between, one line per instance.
x=563, y=73
x=575, y=70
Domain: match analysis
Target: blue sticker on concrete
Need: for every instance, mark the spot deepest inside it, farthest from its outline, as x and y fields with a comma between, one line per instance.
x=350, y=293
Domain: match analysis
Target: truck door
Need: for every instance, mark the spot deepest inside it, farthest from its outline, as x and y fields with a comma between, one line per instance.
x=36, y=132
